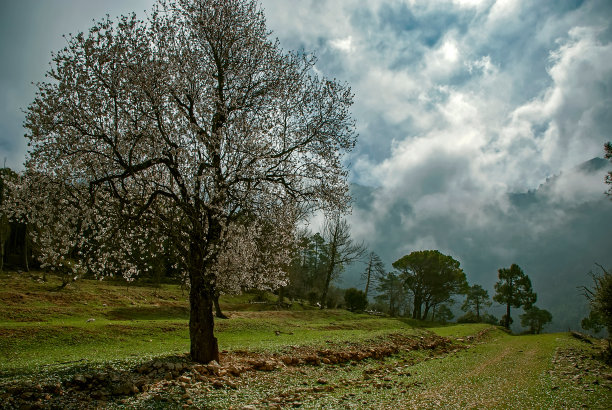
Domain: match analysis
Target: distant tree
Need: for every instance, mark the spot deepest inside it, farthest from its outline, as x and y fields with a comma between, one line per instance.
x=6, y=177
x=341, y=250
x=600, y=300
x=392, y=293
x=188, y=120
x=513, y=290
x=535, y=318
x=335, y=297
x=443, y=314
x=488, y=318
x=375, y=268
x=593, y=322
x=608, y=155
x=476, y=298
x=355, y=300
x=468, y=317
x=506, y=321
x=431, y=277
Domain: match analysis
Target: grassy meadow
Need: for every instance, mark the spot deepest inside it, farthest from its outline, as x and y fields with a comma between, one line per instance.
x=52, y=336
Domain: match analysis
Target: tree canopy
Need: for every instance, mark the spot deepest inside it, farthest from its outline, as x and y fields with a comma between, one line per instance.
x=600, y=300
x=375, y=269
x=193, y=126
x=476, y=298
x=535, y=318
x=356, y=300
x=340, y=250
x=513, y=289
x=431, y=277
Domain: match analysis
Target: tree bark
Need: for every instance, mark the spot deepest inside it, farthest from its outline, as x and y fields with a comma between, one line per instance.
x=281, y=295
x=204, y=346
x=416, y=312
x=218, y=312
x=328, y=276
x=424, y=317
x=25, y=249
x=507, y=324
x=325, y=289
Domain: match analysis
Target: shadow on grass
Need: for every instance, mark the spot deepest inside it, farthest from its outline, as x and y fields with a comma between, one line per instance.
x=423, y=324
x=149, y=313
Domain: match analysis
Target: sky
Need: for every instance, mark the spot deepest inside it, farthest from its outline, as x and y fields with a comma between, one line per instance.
x=460, y=105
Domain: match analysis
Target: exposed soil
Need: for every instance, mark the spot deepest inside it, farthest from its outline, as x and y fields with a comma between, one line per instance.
x=153, y=377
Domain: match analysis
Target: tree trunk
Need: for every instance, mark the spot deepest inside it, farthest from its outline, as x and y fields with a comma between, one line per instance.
x=325, y=289
x=369, y=273
x=424, y=317
x=25, y=249
x=507, y=324
x=416, y=312
x=218, y=312
x=281, y=295
x=204, y=347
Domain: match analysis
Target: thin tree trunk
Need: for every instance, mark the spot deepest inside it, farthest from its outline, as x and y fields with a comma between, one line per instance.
x=218, y=312
x=416, y=312
x=325, y=289
x=369, y=274
x=25, y=249
x=424, y=317
x=507, y=326
x=281, y=295
x=328, y=276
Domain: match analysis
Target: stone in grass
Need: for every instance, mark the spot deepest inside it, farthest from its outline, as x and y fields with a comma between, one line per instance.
x=213, y=367
x=79, y=378
x=184, y=379
x=234, y=370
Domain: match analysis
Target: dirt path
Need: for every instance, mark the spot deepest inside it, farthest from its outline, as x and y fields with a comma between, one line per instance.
x=486, y=376
x=420, y=370
x=501, y=372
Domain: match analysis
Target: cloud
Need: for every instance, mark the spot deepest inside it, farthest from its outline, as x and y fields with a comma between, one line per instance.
x=343, y=44
x=460, y=104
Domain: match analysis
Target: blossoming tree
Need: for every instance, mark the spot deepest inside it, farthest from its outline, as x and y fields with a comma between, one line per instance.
x=191, y=128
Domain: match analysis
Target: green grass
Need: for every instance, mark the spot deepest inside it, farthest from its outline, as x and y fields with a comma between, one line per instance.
x=42, y=329
x=503, y=371
x=45, y=334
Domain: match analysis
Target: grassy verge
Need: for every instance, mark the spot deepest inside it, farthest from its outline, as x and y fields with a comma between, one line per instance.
x=43, y=330
x=47, y=334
